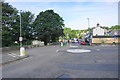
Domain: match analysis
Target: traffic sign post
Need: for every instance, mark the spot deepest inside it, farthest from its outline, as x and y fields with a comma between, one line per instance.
x=20, y=38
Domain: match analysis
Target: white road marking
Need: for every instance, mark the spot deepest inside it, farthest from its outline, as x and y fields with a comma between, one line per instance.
x=78, y=50
x=13, y=54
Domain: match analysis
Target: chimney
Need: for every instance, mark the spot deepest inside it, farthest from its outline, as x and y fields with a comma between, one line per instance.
x=98, y=25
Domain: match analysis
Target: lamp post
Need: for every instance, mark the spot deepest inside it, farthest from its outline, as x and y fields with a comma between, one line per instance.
x=90, y=34
x=20, y=31
x=88, y=23
x=22, y=49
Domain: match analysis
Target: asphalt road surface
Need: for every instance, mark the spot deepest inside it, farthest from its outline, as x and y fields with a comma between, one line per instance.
x=55, y=61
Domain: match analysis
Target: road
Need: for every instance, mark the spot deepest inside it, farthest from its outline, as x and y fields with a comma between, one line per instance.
x=55, y=61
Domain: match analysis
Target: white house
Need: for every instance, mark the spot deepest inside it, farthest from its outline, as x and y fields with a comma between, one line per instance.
x=98, y=31
x=101, y=35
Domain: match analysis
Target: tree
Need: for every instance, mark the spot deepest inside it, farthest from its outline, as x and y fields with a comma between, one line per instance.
x=9, y=18
x=27, y=28
x=48, y=26
x=74, y=33
x=115, y=27
x=11, y=26
x=105, y=27
x=67, y=31
x=89, y=29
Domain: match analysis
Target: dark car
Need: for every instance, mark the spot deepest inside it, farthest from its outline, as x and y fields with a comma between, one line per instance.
x=83, y=43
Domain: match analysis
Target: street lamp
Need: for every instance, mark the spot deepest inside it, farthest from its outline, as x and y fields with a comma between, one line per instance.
x=90, y=34
x=88, y=23
x=20, y=31
x=22, y=49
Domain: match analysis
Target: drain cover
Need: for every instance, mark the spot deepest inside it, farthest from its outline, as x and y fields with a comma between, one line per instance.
x=64, y=76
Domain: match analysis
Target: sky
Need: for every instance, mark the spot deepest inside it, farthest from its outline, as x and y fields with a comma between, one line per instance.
x=75, y=13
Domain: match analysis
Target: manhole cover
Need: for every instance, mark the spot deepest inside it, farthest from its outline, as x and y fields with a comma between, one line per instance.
x=64, y=76
x=78, y=50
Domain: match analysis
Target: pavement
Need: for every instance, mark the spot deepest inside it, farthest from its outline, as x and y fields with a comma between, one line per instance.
x=55, y=62
x=11, y=56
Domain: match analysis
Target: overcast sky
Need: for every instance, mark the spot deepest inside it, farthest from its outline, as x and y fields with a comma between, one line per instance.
x=75, y=13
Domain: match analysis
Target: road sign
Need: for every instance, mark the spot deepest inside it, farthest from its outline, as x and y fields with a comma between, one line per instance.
x=20, y=38
x=114, y=37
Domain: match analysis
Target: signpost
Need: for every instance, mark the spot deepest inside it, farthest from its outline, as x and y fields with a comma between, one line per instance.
x=20, y=38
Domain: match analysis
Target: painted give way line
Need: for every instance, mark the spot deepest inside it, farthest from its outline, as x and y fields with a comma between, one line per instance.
x=13, y=54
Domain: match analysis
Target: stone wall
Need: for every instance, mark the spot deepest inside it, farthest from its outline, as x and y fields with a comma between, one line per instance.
x=105, y=40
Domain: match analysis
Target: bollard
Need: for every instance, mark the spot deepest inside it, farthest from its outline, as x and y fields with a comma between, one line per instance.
x=22, y=51
x=61, y=43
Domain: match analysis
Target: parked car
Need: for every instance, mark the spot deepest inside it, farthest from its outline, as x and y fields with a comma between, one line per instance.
x=83, y=43
x=75, y=40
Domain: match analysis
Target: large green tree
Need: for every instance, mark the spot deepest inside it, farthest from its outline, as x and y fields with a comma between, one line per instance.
x=115, y=27
x=48, y=26
x=9, y=26
x=27, y=28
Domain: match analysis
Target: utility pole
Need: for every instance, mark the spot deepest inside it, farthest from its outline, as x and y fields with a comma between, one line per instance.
x=90, y=37
x=88, y=23
x=22, y=49
x=20, y=31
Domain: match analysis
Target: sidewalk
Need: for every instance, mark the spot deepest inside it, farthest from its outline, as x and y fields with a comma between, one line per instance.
x=11, y=56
